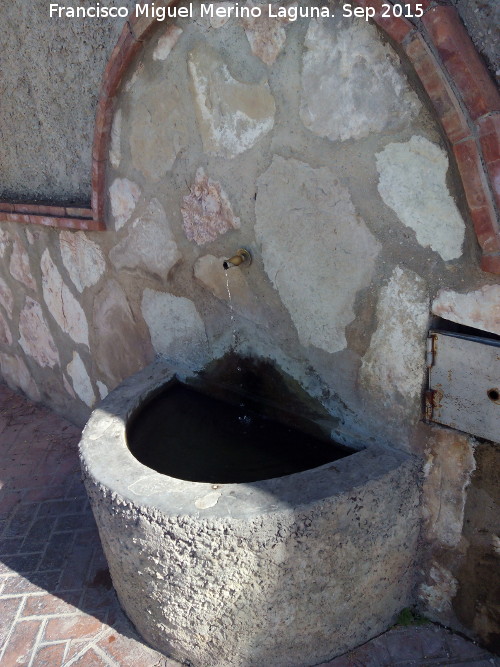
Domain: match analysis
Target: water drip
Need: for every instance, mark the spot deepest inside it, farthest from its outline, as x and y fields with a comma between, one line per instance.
x=231, y=311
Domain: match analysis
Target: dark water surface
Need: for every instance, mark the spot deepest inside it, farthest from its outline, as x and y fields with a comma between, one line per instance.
x=189, y=435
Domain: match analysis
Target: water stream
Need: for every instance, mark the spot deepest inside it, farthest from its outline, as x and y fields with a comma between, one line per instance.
x=231, y=312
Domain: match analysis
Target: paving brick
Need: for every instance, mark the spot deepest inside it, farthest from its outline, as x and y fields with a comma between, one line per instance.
x=57, y=552
x=127, y=652
x=48, y=491
x=39, y=531
x=434, y=643
x=20, y=563
x=404, y=645
x=50, y=656
x=37, y=582
x=20, y=644
x=87, y=536
x=74, y=521
x=46, y=605
x=76, y=568
x=75, y=488
x=8, y=500
x=11, y=545
x=97, y=599
x=341, y=661
x=20, y=521
x=461, y=649
x=56, y=508
x=372, y=654
x=73, y=627
x=91, y=659
x=8, y=611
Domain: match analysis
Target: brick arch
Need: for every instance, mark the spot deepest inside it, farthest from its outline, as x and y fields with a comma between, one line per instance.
x=464, y=98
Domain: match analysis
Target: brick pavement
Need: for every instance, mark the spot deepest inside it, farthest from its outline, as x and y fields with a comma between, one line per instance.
x=57, y=605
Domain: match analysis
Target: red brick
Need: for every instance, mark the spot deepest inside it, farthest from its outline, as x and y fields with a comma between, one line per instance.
x=462, y=61
x=127, y=652
x=91, y=659
x=124, y=51
x=25, y=208
x=8, y=610
x=404, y=644
x=396, y=27
x=472, y=173
x=20, y=644
x=141, y=26
x=50, y=656
x=14, y=217
x=48, y=210
x=6, y=207
x=425, y=4
x=40, y=584
x=486, y=228
x=491, y=263
x=41, y=605
x=437, y=87
x=102, y=129
x=493, y=169
x=98, y=189
x=489, y=134
x=46, y=492
x=74, y=627
x=72, y=212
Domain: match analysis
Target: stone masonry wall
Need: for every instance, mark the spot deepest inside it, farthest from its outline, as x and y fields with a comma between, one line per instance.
x=305, y=142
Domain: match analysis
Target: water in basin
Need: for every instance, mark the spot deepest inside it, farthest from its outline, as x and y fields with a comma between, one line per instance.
x=187, y=434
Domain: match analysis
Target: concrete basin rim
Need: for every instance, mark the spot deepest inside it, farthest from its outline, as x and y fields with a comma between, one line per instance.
x=108, y=462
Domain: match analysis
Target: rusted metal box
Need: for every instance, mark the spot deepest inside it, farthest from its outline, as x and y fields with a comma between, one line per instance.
x=464, y=383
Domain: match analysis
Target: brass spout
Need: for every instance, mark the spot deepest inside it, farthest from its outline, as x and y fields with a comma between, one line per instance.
x=242, y=256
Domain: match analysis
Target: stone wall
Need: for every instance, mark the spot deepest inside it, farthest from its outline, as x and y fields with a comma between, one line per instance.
x=305, y=142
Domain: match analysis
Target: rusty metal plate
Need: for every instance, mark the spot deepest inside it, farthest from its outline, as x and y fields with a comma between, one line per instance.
x=464, y=383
